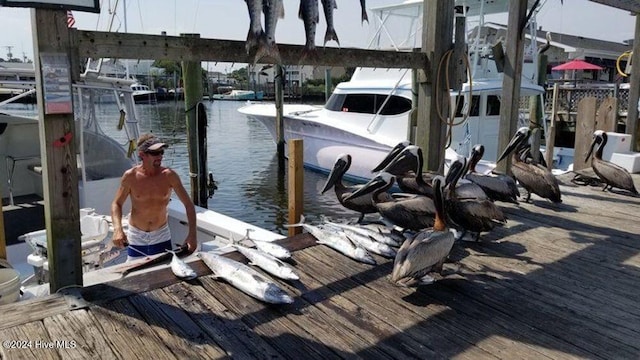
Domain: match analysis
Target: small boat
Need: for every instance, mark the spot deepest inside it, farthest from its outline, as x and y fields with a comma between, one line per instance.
x=241, y=95
x=142, y=94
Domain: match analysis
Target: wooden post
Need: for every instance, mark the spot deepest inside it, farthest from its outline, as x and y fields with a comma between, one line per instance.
x=634, y=92
x=606, y=115
x=551, y=130
x=585, y=126
x=296, y=184
x=192, y=74
x=52, y=43
x=279, y=94
x=510, y=103
x=535, y=110
x=436, y=41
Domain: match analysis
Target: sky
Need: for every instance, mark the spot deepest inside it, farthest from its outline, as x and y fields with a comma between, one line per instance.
x=228, y=19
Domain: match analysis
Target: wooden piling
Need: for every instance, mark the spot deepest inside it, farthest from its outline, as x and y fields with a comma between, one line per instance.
x=585, y=126
x=192, y=74
x=296, y=184
x=52, y=42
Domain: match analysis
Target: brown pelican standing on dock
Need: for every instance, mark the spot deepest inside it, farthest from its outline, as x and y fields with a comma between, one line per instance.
x=411, y=158
x=611, y=174
x=408, y=211
x=362, y=204
x=533, y=177
x=469, y=213
x=426, y=252
x=498, y=187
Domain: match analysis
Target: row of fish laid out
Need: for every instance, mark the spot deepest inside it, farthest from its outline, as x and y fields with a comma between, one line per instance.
x=354, y=241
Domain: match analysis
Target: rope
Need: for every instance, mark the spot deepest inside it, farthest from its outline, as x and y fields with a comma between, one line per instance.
x=449, y=120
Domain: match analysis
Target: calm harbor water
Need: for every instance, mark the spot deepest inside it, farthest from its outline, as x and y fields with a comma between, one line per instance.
x=242, y=157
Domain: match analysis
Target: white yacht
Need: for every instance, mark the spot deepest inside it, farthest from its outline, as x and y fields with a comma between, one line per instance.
x=368, y=115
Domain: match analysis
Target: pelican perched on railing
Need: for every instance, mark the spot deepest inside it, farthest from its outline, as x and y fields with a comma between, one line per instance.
x=498, y=187
x=469, y=213
x=408, y=211
x=426, y=252
x=611, y=174
x=362, y=204
x=533, y=177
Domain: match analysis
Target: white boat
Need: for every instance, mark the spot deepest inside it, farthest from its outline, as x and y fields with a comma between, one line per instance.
x=142, y=94
x=102, y=158
x=239, y=95
x=368, y=115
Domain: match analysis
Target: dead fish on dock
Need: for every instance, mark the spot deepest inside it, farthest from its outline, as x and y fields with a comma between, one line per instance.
x=180, y=268
x=245, y=279
x=338, y=241
x=151, y=261
x=363, y=239
x=267, y=262
x=269, y=247
x=379, y=233
x=273, y=10
x=255, y=24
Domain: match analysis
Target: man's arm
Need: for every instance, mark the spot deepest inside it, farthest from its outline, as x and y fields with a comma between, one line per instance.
x=191, y=241
x=119, y=238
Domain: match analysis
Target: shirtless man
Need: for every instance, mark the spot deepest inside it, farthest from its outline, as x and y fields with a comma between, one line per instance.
x=149, y=186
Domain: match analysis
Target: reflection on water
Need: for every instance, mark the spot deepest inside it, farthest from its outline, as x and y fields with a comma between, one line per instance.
x=242, y=157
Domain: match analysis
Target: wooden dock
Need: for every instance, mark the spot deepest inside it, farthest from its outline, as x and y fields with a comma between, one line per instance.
x=557, y=282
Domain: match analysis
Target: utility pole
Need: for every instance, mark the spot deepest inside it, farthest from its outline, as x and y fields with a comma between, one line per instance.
x=9, y=54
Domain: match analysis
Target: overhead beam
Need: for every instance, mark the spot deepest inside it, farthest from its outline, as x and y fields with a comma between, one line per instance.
x=97, y=44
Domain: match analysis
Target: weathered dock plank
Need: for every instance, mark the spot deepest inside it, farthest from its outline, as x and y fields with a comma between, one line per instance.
x=77, y=336
x=221, y=324
x=126, y=332
x=279, y=331
x=184, y=338
x=340, y=272
x=28, y=341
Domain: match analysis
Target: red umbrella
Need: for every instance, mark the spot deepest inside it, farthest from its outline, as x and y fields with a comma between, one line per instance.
x=577, y=65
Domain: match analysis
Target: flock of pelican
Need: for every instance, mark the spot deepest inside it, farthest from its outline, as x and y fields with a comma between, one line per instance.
x=429, y=205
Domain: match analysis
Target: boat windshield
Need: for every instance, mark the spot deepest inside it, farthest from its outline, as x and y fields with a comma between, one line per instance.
x=368, y=103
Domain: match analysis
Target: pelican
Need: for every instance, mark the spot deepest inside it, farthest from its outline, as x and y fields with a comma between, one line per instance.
x=497, y=187
x=362, y=204
x=408, y=211
x=475, y=214
x=391, y=155
x=533, y=177
x=464, y=188
x=427, y=250
x=410, y=157
x=611, y=174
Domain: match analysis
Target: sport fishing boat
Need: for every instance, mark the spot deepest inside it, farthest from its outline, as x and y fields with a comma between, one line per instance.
x=368, y=115
x=102, y=157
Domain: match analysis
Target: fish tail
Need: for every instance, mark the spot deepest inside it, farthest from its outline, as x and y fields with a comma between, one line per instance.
x=267, y=49
x=331, y=35
x=298, y=224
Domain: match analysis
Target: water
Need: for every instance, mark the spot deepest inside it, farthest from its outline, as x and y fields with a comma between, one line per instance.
x=242, y=157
